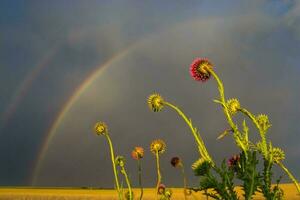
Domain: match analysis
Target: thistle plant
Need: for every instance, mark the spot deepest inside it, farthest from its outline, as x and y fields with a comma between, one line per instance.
x=177, y=163
x=165, y=193
x=137, y=154
x=156, y=104
x=201, y=70
x=158, y=147
x=120, y=161
x=101, y=129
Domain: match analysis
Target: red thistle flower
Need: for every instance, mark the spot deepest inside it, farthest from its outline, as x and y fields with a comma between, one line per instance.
x=161, y=189
x=175, y=161
x=198, y=69
x=137, y=153
x=233, y=162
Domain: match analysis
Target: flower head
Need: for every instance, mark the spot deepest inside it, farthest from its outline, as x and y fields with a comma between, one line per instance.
x=233, y=106
x=161, y=189
x=176, y=162
x=263, y=122
x=201, y=167
x=155, y=102
x=158, y=146
x=120, y=161
x=101, y=128
x=199, y=69
x=278, y=155
x=233, y=162
x=168, y=193
x=137, y=153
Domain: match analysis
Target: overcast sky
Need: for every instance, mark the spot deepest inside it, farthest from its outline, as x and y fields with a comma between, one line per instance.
x=126, y=50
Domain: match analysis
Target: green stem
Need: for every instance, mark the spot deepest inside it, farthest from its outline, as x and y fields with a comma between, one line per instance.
x=114, y=165
x=236, y=133
x=261, y=132
x=140, y=178
x=290, y=176
x=202, y=149
x=127, y=182
x=184, y=181
x=158, y=173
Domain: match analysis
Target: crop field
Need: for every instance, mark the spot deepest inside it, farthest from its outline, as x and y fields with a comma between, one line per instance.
x=11, y=193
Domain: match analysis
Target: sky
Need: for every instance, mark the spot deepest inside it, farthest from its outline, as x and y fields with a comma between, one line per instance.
x=66, y=65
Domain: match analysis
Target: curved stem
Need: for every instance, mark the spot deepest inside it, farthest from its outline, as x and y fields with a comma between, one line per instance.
x=222, y=98
x=290, y=176
x=114, y=165
x=261, y=132
x=127, y=182
x=202, y=149
x=236, y=133
x=184, y=181
x=140, y=178
x=158, y=173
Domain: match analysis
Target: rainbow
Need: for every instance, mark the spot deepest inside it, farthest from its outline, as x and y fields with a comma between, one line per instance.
x=78, y=92
x=70, y=102
x=25, y=85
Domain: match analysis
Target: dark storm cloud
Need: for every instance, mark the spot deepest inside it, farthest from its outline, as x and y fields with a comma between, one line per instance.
x=252, y=45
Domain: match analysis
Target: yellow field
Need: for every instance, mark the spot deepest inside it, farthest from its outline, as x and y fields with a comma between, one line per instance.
x=94, y=194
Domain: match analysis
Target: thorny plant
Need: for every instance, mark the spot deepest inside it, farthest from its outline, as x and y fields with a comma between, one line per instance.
x=217, y=182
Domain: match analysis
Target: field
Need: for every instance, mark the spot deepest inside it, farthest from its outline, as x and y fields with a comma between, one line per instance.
x=10, y=193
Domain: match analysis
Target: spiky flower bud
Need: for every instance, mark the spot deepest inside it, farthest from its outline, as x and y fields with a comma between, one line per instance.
x=155, y=102
x=278, y=155
x=161, y=189
x=158, y=146
x=168, y=193
x=137, y=153
x=263, y=122
x=101, y=128
x=201, y=167
x=233, y=106
x=120, y=161
x=176, y=162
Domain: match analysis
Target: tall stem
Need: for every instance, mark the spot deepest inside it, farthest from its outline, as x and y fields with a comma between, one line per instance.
x=114, y=165
x=184, y=181
x=261, y=132
x=140, y=178
x=158, y=173
x=127, y=182
x=236, y=133
x=290, y=175
x=199, y=140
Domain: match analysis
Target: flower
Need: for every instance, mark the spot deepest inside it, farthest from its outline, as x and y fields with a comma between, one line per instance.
x=158, y=146
x=161, y=189
x=168, y=193
x=233, y=106
x=176, y=162
x=278, y=155
x=201, y=167
x=101, y=128
x=137, y=153
x=155, y=102
x=199, y=69
x=233, y=162
x=263, y=122
x=120, y=161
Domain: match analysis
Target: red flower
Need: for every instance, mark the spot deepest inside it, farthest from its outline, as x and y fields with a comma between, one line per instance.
x=161, y=189
x=234, y=161
x=199, y=69
x=175, y=161
x=137, y=153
